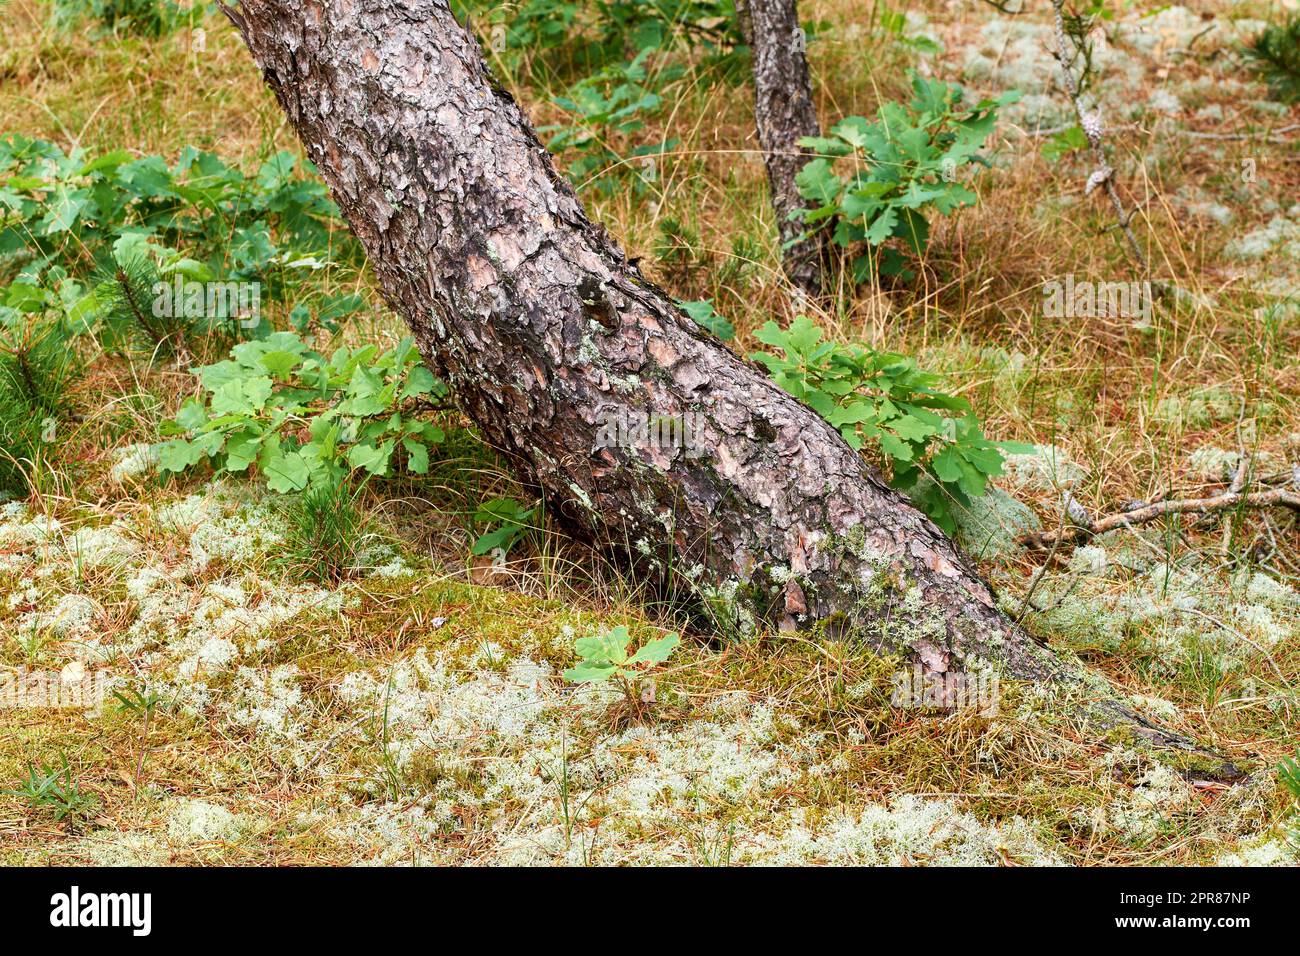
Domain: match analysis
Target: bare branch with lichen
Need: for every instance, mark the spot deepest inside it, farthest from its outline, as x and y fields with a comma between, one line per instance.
x=1068, y=50
x=1236, y=496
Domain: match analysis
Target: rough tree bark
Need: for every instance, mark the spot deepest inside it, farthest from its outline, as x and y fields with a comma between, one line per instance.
x=547, y=333
x=784, y=112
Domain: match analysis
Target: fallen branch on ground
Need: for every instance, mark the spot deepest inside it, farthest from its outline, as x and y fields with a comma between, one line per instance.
x=1233, y=497
x=1278, y=135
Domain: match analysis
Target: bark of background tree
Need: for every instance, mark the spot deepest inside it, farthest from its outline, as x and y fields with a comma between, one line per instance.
x=547, y=334
x=783, y=113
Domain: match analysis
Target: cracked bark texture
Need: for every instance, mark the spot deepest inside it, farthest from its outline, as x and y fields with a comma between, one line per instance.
x=784, y=112
x=544, y=331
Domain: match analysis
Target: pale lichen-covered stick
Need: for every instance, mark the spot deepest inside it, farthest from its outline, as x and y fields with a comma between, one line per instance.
x=1091, y=123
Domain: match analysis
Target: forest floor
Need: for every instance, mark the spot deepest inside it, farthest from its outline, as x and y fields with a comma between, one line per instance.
x=413, y=711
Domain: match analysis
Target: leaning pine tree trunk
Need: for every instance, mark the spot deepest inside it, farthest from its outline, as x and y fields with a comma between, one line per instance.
x=547, y=334
x=784, y=113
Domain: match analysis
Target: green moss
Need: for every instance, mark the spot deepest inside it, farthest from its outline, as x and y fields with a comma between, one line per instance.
x=1192, y=764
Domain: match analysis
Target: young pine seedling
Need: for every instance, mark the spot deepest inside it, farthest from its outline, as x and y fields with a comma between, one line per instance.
x=53, y=788
x=143, y=703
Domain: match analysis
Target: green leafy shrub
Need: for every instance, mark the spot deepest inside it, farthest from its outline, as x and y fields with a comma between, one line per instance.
x=605, y=656
x=147, y=18
x=1275, y=56
x=883, y=401
x=589, y=36
x=894, y=26
x=897, y=172
x=607, y=108
x=707, y=318
x=508, y=522
x=199, y=220
x=663, y=24
x=1063, y=143
x=543, y=24
x=303, y=419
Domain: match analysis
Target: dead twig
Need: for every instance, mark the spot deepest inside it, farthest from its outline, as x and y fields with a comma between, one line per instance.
x=1027, y=603
x=1278, y=135
x=1274, y=136
x=1090, y=123
x=1229, y=499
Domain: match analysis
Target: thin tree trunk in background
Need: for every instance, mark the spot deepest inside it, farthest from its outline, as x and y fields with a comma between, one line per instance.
x=547, y=334
x=783, y=113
